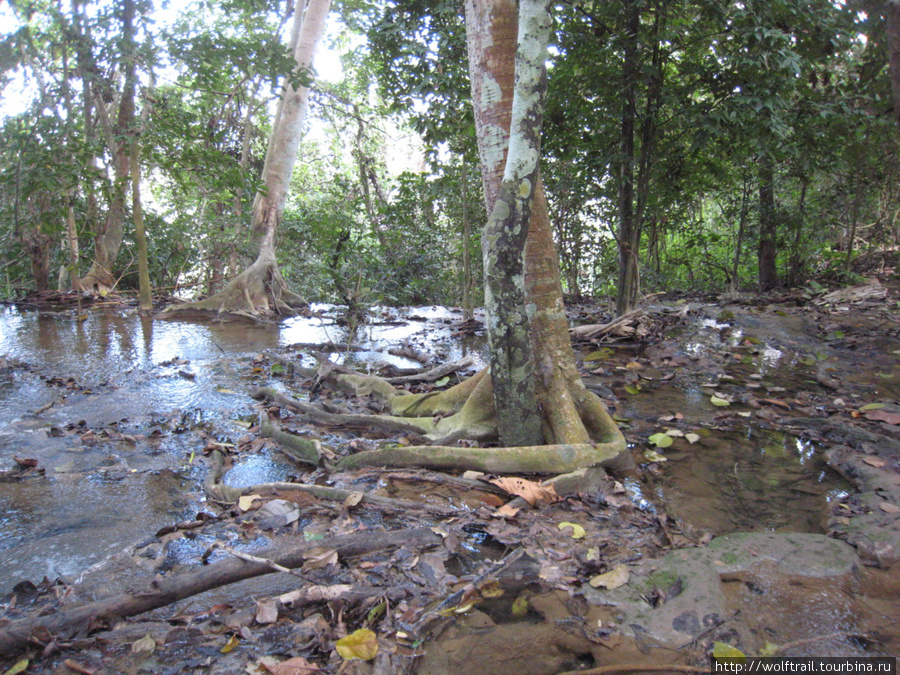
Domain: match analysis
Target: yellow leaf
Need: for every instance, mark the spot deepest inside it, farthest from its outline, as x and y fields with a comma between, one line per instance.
x=722, y=650
x=231, y=644
x=520, y=606
x=769, y=649
x=20, y=667
x=246, y=501
x=577, y=530
x=360, y=644
x=717, y=401
x=612, y=579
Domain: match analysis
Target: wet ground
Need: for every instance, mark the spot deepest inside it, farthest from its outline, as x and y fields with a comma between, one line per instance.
x=118, y=411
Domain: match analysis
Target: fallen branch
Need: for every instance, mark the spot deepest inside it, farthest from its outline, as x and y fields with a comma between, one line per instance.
x=434, y=374
x=593, y=331
x=165, y=591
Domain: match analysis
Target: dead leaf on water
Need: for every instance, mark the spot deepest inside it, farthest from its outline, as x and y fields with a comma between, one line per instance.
x=611, y=580
x=691, y=438
x=888, y=507
x=507, y=511
x=230, y=645
x=531, y=492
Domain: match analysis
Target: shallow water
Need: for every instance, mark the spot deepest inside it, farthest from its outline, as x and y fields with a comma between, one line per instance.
x=154, y=381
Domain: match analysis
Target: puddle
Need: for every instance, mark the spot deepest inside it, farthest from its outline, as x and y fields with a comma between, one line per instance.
x=61, y=525
x=731, y=482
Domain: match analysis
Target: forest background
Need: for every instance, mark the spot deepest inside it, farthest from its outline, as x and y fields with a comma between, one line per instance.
x=696, y=144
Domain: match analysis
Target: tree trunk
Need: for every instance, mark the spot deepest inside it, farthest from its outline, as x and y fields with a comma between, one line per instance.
x=629, y=230
x=568, y=413
x=892, y=16
x=767, y=250
x=260, y=290
x=108, y=239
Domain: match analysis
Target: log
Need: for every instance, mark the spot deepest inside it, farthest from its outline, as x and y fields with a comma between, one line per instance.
x=165, y=591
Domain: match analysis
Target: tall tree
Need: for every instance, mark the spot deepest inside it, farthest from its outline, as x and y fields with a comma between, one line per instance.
x=260, y=289
x=533, y=383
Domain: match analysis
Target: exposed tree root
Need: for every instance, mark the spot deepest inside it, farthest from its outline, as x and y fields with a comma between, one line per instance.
x=256, y=293
x=466, y=411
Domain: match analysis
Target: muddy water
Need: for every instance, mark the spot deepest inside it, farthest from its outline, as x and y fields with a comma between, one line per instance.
x=136, y=388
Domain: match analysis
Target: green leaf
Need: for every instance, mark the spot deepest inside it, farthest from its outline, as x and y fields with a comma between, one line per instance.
x=20, y=667
x=661, y=440
x=442, y=382
x=277, y=368
x=654, y=456
x=872, y=406
x=520, y=606
x=720, y=402
x=632, y=389
x=722, y=650
x=360, y=644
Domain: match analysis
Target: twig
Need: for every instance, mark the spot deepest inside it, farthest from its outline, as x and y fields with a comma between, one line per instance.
x=262, y=561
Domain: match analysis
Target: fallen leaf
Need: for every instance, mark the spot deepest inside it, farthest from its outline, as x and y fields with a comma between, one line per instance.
x=883, y=416
x=877, y=462
x=520, y=607
x=717, y=401
x=353, y=499
x=294, y=666
x=230, y=645
x=531, y=492
x=775, y=402
x=145, y=646
x=266, y=611
x=675, y=433
x=692, y=438
x=871, y=406
x=613, y=579
x=246, y=501
x=722, y=650
x=507, y=511
x=317, y=558
x=20, y=667
x=577, y=530
x=78, y=668
x=632, y=389
x=654, y=456
x=888, y=507
x=360, y=644
x=661, y=440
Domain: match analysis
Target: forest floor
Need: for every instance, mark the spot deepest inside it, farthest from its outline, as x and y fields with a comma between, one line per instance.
x=796, y=395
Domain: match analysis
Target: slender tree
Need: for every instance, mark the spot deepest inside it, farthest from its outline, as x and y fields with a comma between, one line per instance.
x=261, y=290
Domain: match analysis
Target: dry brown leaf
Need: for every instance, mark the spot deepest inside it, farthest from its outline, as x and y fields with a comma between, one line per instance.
x=877, y=462
x=266, y=611
x=353, y=499
x=507, y=511
x=294, y=666
x=531, y=492
x=317, y=558
x=888, y=507
x=78, y=668
x=883, y=416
